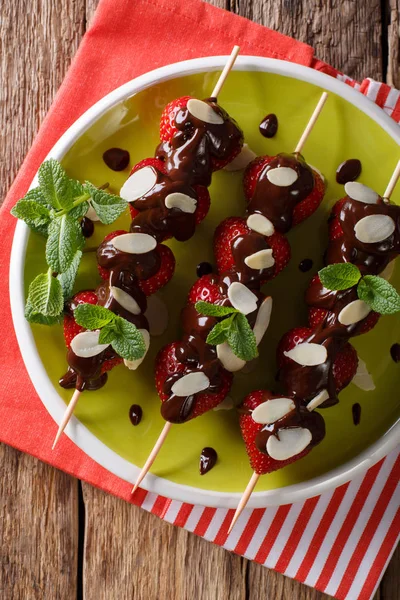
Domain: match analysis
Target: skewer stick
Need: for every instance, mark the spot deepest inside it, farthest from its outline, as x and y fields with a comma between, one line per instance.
x=67, y=416
x=152, y=456
x=244, y=499
x=311, y=122
x=225, y=72
x=392, y=183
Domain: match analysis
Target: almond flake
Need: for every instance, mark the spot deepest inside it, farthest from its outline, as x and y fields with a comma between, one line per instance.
x=86, y=344
x=363, y=379
x=228, y=358
x=204, y=112
x=241, y=161
x=242, y=298
x=260, y=260
x=92, y=214
x=374, y=228
x=138, y=184
x=291, y=442
x=360, y=192
x=318, y=399
x=282, y=176
x=262, y=319
x=260, y=224
x=133, y=364
x=226, y=404
x=157, y=315
x=185, y=203
x=125, y=300
x=272, y=410
x=354, y=312
x=308, y=355
x=189, y=384
x=134, y=243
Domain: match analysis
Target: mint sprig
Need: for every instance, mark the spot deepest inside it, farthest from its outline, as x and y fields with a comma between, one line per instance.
x=234, y=329
x=46, y=295
x=375, y=291
x=124, y=337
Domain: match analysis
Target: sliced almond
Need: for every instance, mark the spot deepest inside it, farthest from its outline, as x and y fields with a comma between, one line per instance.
x=282, y=176
x=189, y=384
x=242, y=298
x=228, y=358
x=272, y=410
x=86, y=344
x=125, y=300
x=138, y=184
x=204, y=112
x=133, y=364
x=157, y=315
x=262, y=320
x=374, y=228
x=226, y=404
x=134, y=243
x=363, y=378
x=241, y=161
x=92, y=214
x=291, y=442
x=183, y=202
x=353, y=312
x=360, y=192
x=262, y=259
x=318, y=399
x=260, y=224
x=388, y=271
x=308, y=354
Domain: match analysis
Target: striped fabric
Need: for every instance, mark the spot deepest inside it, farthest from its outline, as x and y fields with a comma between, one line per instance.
x=340, y=542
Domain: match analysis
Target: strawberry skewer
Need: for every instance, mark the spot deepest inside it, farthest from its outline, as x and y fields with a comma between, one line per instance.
x=192, y=376
x=168, y=196
x=316, y=363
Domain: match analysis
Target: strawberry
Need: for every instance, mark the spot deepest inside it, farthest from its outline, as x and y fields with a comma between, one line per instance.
x=316, y=316
x=104, y=273
x=261, y=463
x=71, y=328
x=335, y=228
x=164, y=274
x=292, y=338
x=167, y=365
x=220, y=163
x=345, y=367
x=204, y=289
x=309, y=205
x=167, y=124
x=252, y=173
x=146, y=162
x=234, y=227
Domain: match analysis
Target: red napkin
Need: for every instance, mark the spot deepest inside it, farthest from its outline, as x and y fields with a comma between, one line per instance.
x=125, y=40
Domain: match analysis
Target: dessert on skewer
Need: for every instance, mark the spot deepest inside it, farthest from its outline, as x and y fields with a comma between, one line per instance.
x=168, y=196
x=316, y=362
x=194, y=375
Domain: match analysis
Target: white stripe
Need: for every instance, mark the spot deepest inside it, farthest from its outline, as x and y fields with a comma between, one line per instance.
x=374, y=547
x=284, y=534
x=149, y=501
x=385, y=566
x=308, y=534
x=391, y=100
x=194, y=518
x=373, y=89
x=172, y=511
x=238, y=529
x=215, y=524
x=360, y=524
x=261, y=532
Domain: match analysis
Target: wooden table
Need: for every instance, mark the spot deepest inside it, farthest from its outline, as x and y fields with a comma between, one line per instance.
x=60, y=538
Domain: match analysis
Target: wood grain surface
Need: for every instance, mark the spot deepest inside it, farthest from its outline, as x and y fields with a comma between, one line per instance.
x=62, y=539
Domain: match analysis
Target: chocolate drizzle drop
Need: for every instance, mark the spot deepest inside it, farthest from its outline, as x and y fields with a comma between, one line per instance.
x=269, y=126
x=305, y=265
x=87, y=227
x=395, y=352
x=135, y=414
x=349, y=170
x=208, y=458
x=356, y=412
x=116, y=159
x=204, y=268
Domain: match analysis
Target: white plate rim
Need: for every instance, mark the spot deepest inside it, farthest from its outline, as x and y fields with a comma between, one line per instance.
x=48, y=394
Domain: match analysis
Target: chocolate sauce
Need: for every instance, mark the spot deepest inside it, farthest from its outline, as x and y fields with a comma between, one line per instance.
x=305, y=265
x=349, y=170
x=269, y=126
x=356, y=412
x=395, y=352
x=116, y=159
x=135, y=414
x=87, y=227
x=208, y=458
x=204, y=268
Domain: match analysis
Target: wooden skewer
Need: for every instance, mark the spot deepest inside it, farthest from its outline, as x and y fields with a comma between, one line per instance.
x=311, y=122
x=152, y=456
x=392, y=183
x=244, y=499
x=67, y=416
x=225, y=72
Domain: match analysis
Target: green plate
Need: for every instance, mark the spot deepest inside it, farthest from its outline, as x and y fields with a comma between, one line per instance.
x=342, y=131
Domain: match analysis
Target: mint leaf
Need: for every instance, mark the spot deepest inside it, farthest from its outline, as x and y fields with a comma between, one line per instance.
x=218, y=334
x=32, y=317
x=67, y=278
x=241, y=338
x=77, y=188
x=79, y=210
x=213, y=310
x=36, y=195
x=46, y=295
x=34, y=214
x=92, y=316
x=108, y=333
x=55, y=185
x=64, y=239
x=107, y=206
x=379, y=294
x=339, y=276
x=128, y=342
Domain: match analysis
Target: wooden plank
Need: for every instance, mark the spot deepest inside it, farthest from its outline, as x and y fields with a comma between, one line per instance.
x=393, y=71
x=390, y=586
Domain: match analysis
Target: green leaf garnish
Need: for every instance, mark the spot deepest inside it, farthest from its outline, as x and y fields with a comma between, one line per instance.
x=218, y=334
x=107, y=206
x=67, y=278
x=214, y=310
x=379, y=294
x=55, y=185
x=128, y=342
x=64, y=240
x=35, y=214
x=92, y=316
x=46, y=295
x=234, y=329
x=33, y=317
x=340, y=276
